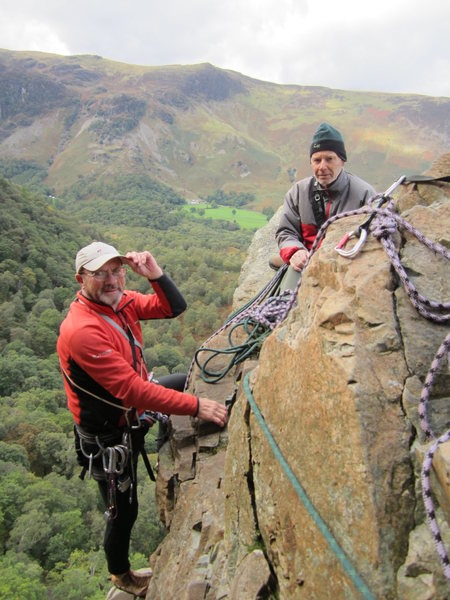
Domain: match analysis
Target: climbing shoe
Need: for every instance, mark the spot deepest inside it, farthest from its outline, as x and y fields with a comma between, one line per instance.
x=133, y=582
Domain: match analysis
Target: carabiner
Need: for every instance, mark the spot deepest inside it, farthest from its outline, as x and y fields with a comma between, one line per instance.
x=356, y=248
x=361, y=231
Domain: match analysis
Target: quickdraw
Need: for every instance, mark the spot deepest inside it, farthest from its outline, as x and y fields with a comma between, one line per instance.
x=115, y=461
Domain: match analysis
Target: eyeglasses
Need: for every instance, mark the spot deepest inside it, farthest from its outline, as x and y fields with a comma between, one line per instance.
x=103, y=275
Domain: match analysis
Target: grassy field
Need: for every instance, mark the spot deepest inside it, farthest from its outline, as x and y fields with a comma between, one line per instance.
x=246, y=219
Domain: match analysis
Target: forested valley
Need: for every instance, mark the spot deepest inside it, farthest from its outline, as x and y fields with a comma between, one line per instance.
x=51, y=522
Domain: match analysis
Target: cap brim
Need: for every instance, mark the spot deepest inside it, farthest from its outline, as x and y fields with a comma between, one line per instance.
x=98, y=262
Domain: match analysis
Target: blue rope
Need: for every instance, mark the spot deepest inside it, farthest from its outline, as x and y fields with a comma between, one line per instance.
x=346, y=564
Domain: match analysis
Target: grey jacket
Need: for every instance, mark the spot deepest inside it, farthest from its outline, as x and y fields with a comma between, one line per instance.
x=298, y=227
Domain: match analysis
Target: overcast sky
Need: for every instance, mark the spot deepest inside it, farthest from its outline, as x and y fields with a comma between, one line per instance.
x=376, y=45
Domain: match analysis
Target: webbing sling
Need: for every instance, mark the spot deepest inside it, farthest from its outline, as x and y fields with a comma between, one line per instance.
x=128, y=336
x=121, y=330
x=318, y=200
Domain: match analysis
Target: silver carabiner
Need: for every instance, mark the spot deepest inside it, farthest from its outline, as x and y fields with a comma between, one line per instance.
x=91, y=462
x=364, y=227
x=356, y=248
x=123, y=458
x=109, y=460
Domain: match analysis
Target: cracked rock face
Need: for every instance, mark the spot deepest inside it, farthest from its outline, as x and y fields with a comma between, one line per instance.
x=330, y=383
x=338, y=384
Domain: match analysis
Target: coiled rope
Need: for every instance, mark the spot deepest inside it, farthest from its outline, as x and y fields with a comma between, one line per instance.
x=257, y=319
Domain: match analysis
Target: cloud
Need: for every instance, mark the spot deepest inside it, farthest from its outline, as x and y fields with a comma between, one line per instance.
x=400, y=46
x=32, y=35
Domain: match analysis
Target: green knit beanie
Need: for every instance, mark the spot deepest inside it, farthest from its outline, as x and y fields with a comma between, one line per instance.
x=328, y=138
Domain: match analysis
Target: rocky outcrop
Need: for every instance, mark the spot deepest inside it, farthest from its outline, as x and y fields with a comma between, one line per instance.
x=338, y=384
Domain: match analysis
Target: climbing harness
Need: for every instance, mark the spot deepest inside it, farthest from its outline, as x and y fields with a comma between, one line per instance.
x=106, y=459
x=117, y=464
x=300, y=491
x=133, y=423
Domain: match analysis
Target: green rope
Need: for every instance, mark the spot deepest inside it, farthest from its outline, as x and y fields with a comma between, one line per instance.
x=256, y=334
x=322, y=526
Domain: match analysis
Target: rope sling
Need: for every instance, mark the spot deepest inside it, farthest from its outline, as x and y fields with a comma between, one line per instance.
x=262, y=314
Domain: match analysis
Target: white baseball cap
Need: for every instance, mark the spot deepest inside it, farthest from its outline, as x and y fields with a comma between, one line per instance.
x=95, y=255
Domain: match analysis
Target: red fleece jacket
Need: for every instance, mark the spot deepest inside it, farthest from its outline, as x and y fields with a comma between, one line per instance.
x=97, y=359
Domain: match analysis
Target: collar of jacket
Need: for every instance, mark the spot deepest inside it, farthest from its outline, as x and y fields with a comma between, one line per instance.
x=104, y=308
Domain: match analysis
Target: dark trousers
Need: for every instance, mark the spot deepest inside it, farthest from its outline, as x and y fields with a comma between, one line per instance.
x=116, y=542
x=118, y=530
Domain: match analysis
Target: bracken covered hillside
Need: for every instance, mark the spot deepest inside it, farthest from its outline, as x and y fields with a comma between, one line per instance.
x=81, y=119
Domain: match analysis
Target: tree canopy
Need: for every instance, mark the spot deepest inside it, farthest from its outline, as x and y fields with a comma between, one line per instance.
x=51, y=523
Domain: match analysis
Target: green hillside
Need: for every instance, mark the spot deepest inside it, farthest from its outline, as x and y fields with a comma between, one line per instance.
x=198, y=129
x=51, y=523
x=116, y=152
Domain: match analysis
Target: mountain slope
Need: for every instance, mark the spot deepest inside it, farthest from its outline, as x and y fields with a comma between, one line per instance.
x=199, y=128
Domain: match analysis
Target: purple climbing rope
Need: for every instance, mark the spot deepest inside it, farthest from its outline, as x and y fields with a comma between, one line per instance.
x=383, y=225
x=429, y=506
x=444, y=350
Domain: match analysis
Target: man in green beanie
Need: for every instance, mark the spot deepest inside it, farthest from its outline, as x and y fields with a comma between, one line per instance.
x=310, y=202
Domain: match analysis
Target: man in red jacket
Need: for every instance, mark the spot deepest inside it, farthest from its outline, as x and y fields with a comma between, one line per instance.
x=311, y=201
x=107, y=386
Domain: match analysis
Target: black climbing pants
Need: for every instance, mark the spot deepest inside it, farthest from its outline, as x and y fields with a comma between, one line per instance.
x=116, y=542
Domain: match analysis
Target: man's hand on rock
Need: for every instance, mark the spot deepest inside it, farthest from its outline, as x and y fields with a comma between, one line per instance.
x=298, y=260
x=210, y=410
